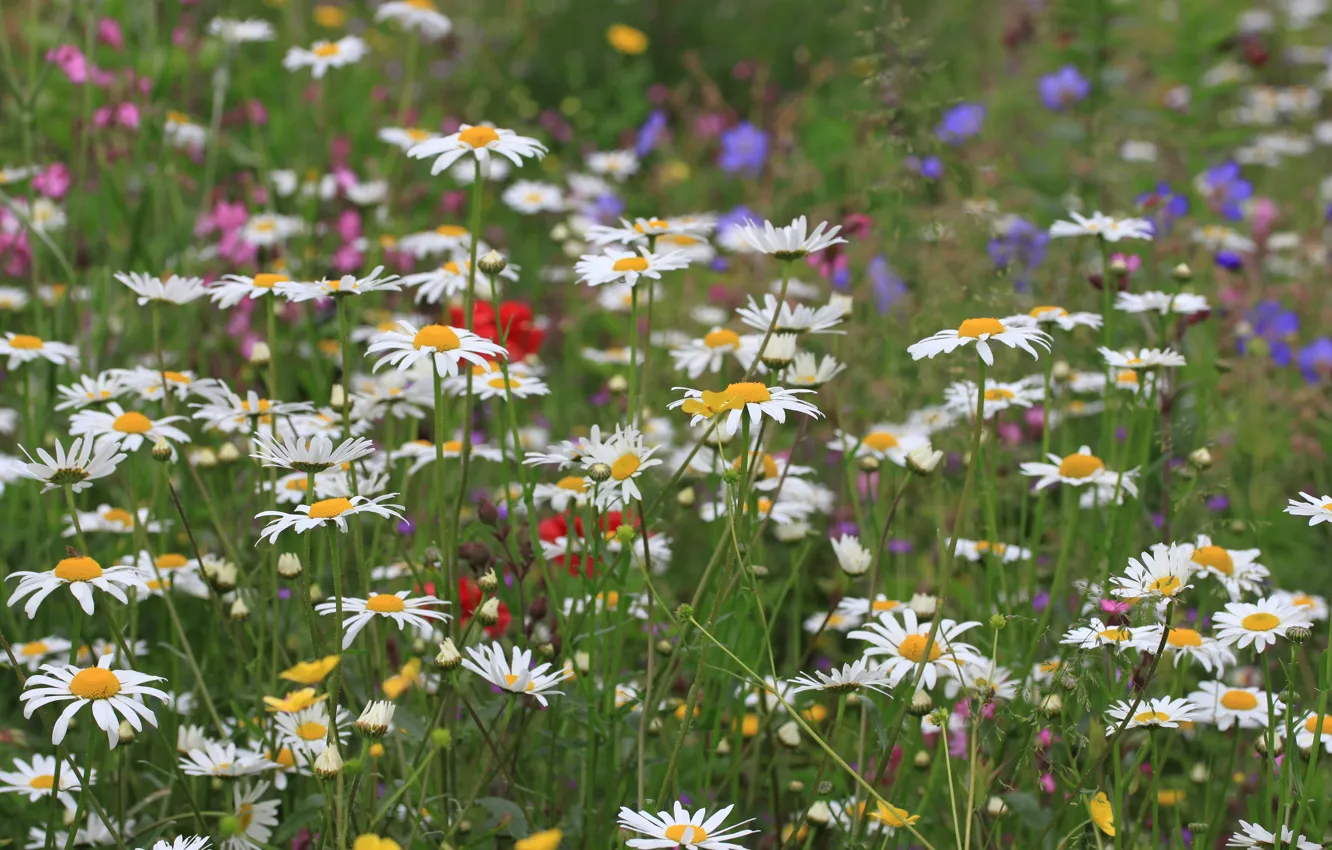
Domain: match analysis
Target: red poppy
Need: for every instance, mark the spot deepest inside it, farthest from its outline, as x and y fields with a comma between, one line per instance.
x=555, y=527
x=514, y=320
x=470, y=598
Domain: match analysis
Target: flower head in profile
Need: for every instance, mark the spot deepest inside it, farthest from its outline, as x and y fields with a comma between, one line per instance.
x=1144, y=359
x=1251, y=835
x=617, y=266
x=25, y=348
x=86, y=461
x=1055, y=315
x=130, y=430
x=81, y=575
x=418, y=15
x=748, y=398
x=308, y=454
x=1097, y=633
x=514, y=673
x=297, y=291
x=1316, y=509
x=109, y=695
x=401, y=607
x=1162, y=574
x=479, y=141
x=980, y=332
x=1103, y=226
x=447, y=347
x=1157, y=712
x=223, y=758
x=679, y=828
x=311, y=672
x=170, y=288
x=326, y=511
x=786, y=318
x=1078, y=469
x=324, y=54
x=853, y=676
x=792, y=241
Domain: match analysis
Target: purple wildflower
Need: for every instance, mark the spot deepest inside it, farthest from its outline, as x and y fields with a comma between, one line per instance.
x=961, y=122
x=650, y=133
x=744, y=148
x=1316, y=360
x=1019, y=250
x=887, y=287
x=1225, y=189
x=1063, y=88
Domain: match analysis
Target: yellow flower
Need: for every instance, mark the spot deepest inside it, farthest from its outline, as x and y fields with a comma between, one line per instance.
x=294, y=701
x=547, y=839
x=1169, y=796
x=815, y=713
x=1101, y=813
x=331, y=17
x=396, y=686
x=311, y=672
x=626, y=39
x=893, y=816
x=374, y=842
x=376, y=750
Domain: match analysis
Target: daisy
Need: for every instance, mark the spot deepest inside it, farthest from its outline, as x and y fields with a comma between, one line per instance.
x=1258, y=623
x=1183, y=642
x=681, y=829
x=784, y=317
x=978, y=550
x=1097, y=633
x=89, y=390
x=489, y=662
x=445, y=346
x=450, y=239
x=1078, y=469
x=852, y=557
x=323, y=512
x=615, y=266
x=312, y=454
x=983, y=677
x=86, y=461
x=807, y=370
x=108, y=693
x=184, y=842
x=404, y=611
x=618, y=165
x=625, y=456
x=451, y=279
x=1314, y=607
x=183, y=132
x=495, y=385
x=80, y=574
x=999, y=396
x=736, y=400
x=1156, y=712
x=1317, y=510
x=255, y=819
x=790, y=242
x=418, y=15
x=1253, y=835
x=533, y=196
x=834, y=620
x=882, y=441
x=34, y=652
x=707, y=353
x=861, y=673
x=37, y=779
x=130, y=430
x=172, y=289
x=569, y=491
x=1144, y=359
x=147, y=383
x=1236, y=569
x=242, y=31
x=305, y=732
x=1103, y=226
x=230, y=413
x=633, y=604
x=223, y=759
x=980, y=332
x=25, y=348
x=479, y=141
x=1054, y=315
x=1246, y=708
x=350, y=284
x=1162, y=574
x=422, y=452
x=267, y=229
x=324, y=54
x=905, y=644
x=1185, y=303
x=643, y=230
x=858, y=607
x=404, y=138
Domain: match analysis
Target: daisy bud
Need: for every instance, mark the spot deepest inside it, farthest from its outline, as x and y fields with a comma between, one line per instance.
x=852, y=557
x=488, y=582
x=289, y=565
x=843, y=302
x=686, y=497
x=791, y=532
x=599, y=472
x=559, y=232
x=125, y=732
x=376, y=719
x=448, y=656
x=548, y=839
x=1297, y=634
x=1200, y=459
x=654, y=726
x=758, y=570
x=723, y=747
x=788, y=735
x=488, y=613
x=1119, y=266
x=921, y=759
x=492, y=263
x=868, y=463
x=418, y=646
x=337, y=397
x=442, y=739
x=206, y=458
x=1061, y=370
x=998, y=621
x=665, y=647
x=1198, y=773
x=625, y=534
x=921, y=704
x=239, y=610
x=923, y=460
x=220, y=574
x=260, y=354
x=996, y=807
x=779, y=352
x=795, y=786
x=376, y=750
x=685, y=612
x=162, y=450
x=1182, y=273
x=316, y=593
x=617, y=384
x=924, y=605
x=546, y=649
x=329, y=763
x=228, y=453
x=1052, y=705
x=464, y=827
x=583, y=662
x=818, y=814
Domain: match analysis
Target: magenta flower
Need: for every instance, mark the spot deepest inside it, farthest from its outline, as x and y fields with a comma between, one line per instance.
x=53, y=181
x=108, y=33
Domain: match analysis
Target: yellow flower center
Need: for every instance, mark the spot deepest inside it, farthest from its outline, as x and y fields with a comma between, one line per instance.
x=1216, y=558
x=912, y=648
x=422, y=4
x=78, y=569
x=998, y=394
x=1237, y=700
x=1151, y=717
x=329, y=508
x=119, y=515
x=684, y=833
x=1080, y=466
x=880, y=441
x=721, y=338
x=44, y=782
x=749, y=392
x=500, y=384
x=311, y=731
x=286, y=758
x=301, y=484
x=1037, y=312
x=478, y=137
x=1184, y=637
x=1166, y=586
x=245, y=816
x=1050, y=666
x=262, y=404
x=574, y=483
x=451, y=230
x=975, y=328
x=1302, y=599
x=94, y=683
x=1116, y=635
x=651, y=224
x=1261, y=622
x=625, y=466
x=510, y=678
x=25, y=341
x=385, y=603
x=132, y=423
x=884, y=605
x=1327, y=506
x=451, y=446
x=1126, y=376
x=438, y=337
x=171, y=561
x=327, y=50
x=35, y=647
x=1311, y=725
x=631, y=264
x=268, y=280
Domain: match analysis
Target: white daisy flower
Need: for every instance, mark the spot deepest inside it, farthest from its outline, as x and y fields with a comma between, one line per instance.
x=634, y=604
x=230, y=413
x=1317, y=510
x=616, y=266
x=960, y=396
x=88, y=391
x=302, y=290
x=305, y=732
x=790, y=318
x=681, y=829
x=80, y=574
x=1258, y=623
x=445, y=239
x=418, y=15
x=1314, y=607
x=25, y=348
x=979, y=550
x=982, y=676
x=1162, y=574
x=172, y=289
x=445, y=346
x=626, y=455
x=1144, y=359
x=1103, y=226
x=37, y=779
x=834, y=621
x=1054, y=315
x=147, y=383
x=858, y=607
x=479, y=141
x=642, y=230
x=109, y=694
x=450, y=280
x=327, y=511
x=401, y=607
x=513, y=674
x=85, y=462
x=1236, y=569
x=422, y=452
x=792, y=241
x=569, y=491
x=1097, y=633
x=981, y=332
x=618, y=165
x=707, y=353
x=255, y=817
x=1161, y=712
x=130, y=430
x=853, y=676
x=1253, y=835
x=223, y=758
x=494, y=385
x=183, y=133
x=533, y=196
x=1078, y=469
x=324, y=54
x=1183, y=642
x=1246, y=708
x=312, y=454
x=184, y=842
x=32, y=653
x=881, y=441
x=405, y=138
x=1184, y=303
x=267, y=229
x=737, y=400
x=852, y=557
x=241, y=31
x=905, y=644
x=807, y=370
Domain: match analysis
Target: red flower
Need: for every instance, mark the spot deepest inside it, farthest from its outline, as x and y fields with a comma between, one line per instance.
x=470, y=598
x=514, y=321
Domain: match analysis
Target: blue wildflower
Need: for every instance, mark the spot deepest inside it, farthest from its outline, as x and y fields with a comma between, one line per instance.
x=961, y=122
x=1276, y=326
x=1063, y=88
x=1229, y=260
x=1316, y=360
x=930, y=167
x=1162, y=206
x=1226, y=189
x=744, y=147
x=885, y=284
x=650, y=133
x=1019, y=250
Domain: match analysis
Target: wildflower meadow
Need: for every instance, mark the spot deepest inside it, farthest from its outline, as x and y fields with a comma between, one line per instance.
x=734, y=425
